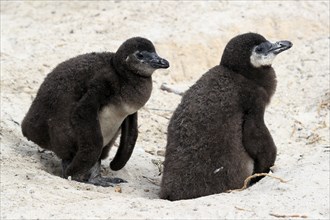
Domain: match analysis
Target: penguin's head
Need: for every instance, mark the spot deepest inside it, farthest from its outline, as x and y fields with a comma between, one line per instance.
x=251, y=50
x=264, y=53
x=139, y=56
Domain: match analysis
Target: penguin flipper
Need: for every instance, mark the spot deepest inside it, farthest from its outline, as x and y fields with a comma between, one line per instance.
x=258, y=141
x=89, y=141
x=129, y=133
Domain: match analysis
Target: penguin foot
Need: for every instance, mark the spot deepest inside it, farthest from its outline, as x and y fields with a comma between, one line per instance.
x=105, y=181
x=92, y=176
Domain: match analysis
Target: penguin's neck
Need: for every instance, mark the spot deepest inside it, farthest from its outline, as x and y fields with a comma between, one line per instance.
x=135, y=89
x=264, y=77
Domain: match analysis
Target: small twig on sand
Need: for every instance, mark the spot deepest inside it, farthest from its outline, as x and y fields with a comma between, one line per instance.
x=248, y=179
x=153, y=181
x=288, y=216
x=242, y=209
x=14, y=121
x=325, y=104
x=172, y=90
x=321, y=126
x=159, y=109
x=313, y=138
x=293, y=130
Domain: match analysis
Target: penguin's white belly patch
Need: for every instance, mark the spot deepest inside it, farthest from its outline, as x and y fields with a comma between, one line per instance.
x=250, y=166
x=111, y=118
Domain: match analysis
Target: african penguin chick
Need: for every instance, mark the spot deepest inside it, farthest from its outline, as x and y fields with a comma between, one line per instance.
x=86, y=101
x=217, y=136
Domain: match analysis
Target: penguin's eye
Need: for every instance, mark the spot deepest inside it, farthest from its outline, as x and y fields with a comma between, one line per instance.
x=259, y=49
x=139, y=56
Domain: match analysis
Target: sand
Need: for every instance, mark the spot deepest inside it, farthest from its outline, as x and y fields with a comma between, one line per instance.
x=37, y=35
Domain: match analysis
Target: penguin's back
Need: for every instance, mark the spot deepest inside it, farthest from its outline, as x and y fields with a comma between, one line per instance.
x=62, y=88
x=214, y=100
x=204, y=139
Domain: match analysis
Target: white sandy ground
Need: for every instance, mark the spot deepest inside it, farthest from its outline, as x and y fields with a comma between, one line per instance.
x=37, y=35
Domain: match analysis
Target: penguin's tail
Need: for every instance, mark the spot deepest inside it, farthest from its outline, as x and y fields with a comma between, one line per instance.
x=129, y=134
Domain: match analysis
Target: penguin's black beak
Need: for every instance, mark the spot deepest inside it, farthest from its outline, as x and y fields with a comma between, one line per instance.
x=158, y=62
x=152, y=59
x=280, y=46
x=267, y=48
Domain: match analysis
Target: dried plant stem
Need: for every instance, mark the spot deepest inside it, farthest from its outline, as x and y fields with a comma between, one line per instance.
x=170, y=89
x=153, y=181
x=248, y=179
x=288, y=216
x=242, y=209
